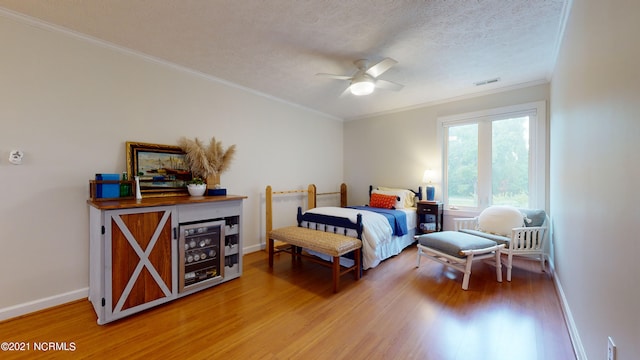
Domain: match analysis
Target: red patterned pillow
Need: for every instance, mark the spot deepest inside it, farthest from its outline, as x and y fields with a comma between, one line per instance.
x=382, y=201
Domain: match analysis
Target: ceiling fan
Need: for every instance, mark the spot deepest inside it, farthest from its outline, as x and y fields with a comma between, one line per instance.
x=365, y=80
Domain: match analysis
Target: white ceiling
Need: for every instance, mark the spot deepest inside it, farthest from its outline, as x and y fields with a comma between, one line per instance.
x=276, y=47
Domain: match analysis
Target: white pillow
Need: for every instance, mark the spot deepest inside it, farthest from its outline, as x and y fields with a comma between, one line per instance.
x=400, y=201
x=406, y=195
x=500, y=219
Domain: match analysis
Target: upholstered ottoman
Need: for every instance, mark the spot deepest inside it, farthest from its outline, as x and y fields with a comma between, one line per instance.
x=458, y=250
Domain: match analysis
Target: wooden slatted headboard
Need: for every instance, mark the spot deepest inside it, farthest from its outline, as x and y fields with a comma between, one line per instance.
x=312, y=195
x=418, y=193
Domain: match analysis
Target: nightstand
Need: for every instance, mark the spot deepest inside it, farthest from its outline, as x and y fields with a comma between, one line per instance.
x=429, y=217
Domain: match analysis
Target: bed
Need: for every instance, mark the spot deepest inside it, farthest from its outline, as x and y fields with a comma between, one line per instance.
x=389, y=225
x=387, y=231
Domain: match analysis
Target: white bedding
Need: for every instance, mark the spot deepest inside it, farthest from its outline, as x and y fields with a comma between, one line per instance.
x=377, y=241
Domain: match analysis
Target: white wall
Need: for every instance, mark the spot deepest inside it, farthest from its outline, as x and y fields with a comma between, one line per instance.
x=595, y=173
x=395, y=149
x=71, y=104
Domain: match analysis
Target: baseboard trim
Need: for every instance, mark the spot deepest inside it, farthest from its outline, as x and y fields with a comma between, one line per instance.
x=252, y=249
x=578, y=349
x=41, y=304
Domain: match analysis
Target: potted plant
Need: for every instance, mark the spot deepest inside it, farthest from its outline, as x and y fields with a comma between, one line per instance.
x=207, y=162
x=196, y=186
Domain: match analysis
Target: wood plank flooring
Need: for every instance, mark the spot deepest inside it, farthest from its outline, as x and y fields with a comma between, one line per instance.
x=396, y=311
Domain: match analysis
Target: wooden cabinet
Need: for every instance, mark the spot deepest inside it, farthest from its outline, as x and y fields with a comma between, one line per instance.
x=429, y=217
x=134, y=249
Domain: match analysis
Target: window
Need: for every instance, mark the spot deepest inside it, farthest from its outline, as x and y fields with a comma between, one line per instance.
x=495, y=157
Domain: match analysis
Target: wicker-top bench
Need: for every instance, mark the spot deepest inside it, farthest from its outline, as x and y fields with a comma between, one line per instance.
x=324, y=234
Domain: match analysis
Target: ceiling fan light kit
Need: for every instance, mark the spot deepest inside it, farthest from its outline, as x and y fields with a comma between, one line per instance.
x=362, y=86
x=366, y=79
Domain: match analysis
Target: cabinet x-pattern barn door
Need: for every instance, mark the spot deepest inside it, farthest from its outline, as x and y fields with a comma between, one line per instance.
x=141, y=259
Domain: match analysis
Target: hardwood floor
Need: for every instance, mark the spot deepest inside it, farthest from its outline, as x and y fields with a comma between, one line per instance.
x=396, y=311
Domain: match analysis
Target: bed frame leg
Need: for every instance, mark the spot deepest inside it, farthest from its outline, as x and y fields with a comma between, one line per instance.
x=358, y=269
x=294, y=253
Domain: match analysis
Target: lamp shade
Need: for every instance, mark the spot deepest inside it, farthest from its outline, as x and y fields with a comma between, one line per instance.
x=428, y=176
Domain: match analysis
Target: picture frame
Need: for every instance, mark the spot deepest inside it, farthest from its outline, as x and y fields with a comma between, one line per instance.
x=163, y=169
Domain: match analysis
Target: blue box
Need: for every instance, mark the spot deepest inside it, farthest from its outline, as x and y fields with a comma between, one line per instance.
x=217, y=192
x=108, y=190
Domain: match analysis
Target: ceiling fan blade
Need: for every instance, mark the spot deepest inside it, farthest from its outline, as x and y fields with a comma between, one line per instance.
x=332, y=76
x=388, y=85
x=379, y=68
x=346, y=91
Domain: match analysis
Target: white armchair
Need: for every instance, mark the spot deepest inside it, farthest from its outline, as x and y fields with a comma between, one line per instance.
x=523, y=233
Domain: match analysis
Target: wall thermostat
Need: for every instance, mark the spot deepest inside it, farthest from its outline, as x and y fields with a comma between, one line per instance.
x=15, y=157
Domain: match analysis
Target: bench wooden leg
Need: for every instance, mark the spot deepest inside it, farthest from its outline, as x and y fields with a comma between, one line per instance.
x=336, y=273
x=336, y=269
x=270, y=251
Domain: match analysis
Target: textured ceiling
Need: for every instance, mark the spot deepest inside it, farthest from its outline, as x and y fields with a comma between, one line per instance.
x=276, y=47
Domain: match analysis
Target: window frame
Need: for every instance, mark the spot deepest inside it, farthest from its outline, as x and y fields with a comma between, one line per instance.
x=537, y=151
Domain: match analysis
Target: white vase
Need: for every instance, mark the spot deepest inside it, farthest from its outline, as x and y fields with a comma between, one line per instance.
x=196, y=189
x=138, y=193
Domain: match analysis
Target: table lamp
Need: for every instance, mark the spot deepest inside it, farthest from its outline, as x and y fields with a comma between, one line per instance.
x=431, y=190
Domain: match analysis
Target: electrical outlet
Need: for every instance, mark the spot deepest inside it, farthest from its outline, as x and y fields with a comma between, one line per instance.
x=611, y=349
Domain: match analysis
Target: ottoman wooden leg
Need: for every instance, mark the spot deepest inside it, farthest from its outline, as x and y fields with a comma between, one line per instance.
x=498, y=267
x=467, y=272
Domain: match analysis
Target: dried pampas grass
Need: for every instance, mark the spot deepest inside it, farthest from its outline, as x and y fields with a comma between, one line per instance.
x=207, y=161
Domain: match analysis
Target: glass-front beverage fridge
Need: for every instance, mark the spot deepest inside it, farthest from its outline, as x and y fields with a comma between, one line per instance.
x=201, y=254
